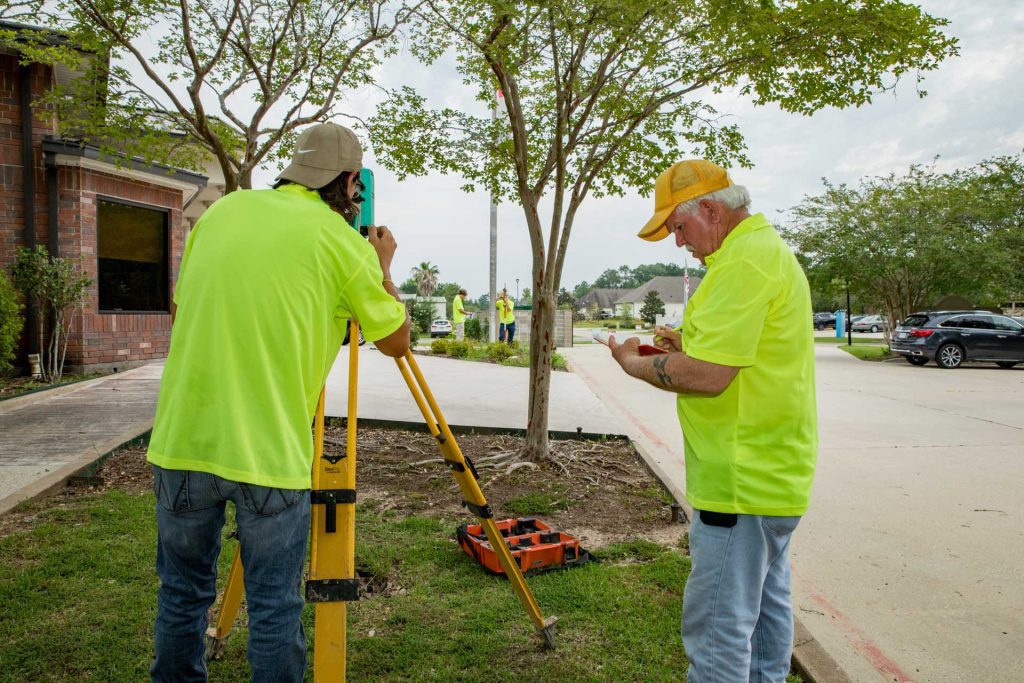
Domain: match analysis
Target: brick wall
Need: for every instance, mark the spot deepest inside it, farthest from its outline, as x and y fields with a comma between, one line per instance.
x=97, y=341
x=107, y=341
x=12, y=208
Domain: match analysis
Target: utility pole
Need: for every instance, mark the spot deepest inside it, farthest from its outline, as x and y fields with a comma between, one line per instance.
x=492, y=328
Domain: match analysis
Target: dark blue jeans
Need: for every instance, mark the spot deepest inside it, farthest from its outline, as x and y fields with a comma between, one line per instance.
x=273, y=527
x=510, y=328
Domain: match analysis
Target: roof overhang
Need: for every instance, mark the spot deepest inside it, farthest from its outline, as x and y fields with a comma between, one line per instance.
x=76, y=154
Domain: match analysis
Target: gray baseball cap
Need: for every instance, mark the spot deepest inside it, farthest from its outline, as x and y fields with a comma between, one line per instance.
x=322, y=153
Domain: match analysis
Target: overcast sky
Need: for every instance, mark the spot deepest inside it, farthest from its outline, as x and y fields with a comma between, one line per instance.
x=972, y=112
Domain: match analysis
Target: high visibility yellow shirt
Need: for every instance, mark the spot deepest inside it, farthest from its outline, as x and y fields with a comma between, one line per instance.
x=267, y=282
x=752, y=449
x=506, y=311
x=458, y=310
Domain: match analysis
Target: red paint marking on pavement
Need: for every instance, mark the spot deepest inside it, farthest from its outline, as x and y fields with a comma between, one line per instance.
x=867, y=647
x=624, y=410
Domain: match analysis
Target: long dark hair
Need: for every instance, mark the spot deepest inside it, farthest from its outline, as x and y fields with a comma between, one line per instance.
x=335, y=195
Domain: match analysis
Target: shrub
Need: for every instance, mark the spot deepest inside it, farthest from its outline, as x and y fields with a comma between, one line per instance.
x=476, y=328
x=557, y=361
x=10, y=322
x=458, y=349
x=499, y=351
x=439, y=346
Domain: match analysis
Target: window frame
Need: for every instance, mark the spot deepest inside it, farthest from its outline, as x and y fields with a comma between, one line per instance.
x=166, y=211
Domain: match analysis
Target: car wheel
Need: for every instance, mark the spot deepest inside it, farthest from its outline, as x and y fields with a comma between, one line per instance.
x=949, y=356
x=1006, y=363
x=818, y=326
x=874, y=328
x=916, y=360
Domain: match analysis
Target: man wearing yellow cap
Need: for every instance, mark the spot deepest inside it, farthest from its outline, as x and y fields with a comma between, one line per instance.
x=742, y=369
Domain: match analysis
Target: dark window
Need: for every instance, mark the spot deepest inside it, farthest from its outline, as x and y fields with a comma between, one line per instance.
x=915, y=321
x=958, y=321
x=132, y=257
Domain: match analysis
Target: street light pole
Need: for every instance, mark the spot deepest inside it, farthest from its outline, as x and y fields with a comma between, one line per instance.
x=517, y=290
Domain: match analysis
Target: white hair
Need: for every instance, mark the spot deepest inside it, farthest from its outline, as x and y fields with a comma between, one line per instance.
x=734, y=196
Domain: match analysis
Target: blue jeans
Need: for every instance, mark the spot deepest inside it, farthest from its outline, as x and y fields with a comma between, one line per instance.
x=737, y=615
x=510, y=328
x=273, y=527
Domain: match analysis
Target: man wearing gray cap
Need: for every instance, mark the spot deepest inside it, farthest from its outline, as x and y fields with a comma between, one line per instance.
x=268, y=282
x=742, y=369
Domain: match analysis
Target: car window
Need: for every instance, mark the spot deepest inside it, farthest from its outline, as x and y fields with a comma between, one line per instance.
x=984, y=322
x=1004, y=323
x=916, y=321
x=956, y=321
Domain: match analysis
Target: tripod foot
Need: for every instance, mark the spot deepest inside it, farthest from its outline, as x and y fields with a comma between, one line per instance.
x=548, y=632
x=215, y=647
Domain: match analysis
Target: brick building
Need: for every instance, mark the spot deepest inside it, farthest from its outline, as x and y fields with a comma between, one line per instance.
x=126, y=221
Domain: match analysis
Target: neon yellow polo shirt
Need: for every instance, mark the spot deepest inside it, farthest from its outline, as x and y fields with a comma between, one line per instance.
x=506, y=312
x=267, y=281
x=752, y=449
x=458, y=310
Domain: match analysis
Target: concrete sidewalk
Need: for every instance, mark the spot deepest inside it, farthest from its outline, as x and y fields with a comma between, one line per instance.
x=470, y=394
x=48, y=436
x=907, y=565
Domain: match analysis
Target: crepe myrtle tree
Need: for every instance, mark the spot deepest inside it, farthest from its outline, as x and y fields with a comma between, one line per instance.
x=602, y=95
x=901, y=242
x=188, y=81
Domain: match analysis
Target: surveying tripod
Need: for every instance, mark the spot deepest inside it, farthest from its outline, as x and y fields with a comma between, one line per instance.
x=332, y=581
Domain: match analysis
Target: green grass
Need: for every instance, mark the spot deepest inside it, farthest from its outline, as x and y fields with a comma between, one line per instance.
x=78, y=596
x=536, y=504
x=515, y=356
x=872, y=352
x=78, y=593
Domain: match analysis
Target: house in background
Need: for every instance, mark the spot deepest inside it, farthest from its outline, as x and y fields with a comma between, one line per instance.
x=599, y=300
x=668, y=287
x=126, y=220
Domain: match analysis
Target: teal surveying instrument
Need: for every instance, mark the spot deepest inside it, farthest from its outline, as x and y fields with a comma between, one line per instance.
x=332, y=581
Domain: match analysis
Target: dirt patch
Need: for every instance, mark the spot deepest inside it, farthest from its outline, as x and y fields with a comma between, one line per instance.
x=599, y=491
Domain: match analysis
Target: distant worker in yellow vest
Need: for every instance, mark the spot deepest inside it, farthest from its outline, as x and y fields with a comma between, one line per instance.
x=506, y=318
x=268, y=282
x=743, y=374
x=459, y=314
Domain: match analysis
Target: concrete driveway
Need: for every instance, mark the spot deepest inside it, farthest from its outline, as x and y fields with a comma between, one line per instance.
x=908, y=567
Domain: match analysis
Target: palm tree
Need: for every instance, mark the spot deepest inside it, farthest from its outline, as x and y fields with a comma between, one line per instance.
x=425, y=276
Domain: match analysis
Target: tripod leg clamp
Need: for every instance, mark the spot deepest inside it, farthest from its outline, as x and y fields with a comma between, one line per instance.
x=332, y=590
x=481, y=511
x=332, y=498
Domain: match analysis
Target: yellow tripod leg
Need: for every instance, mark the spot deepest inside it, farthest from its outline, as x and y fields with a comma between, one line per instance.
x=217, y=634
x=332, y=581
x=471, y=492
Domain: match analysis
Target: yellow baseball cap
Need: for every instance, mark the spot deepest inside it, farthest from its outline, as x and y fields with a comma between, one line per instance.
x=682, y=182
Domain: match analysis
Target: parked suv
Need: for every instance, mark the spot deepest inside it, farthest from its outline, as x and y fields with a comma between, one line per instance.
x=952, y=337
x=823, y=320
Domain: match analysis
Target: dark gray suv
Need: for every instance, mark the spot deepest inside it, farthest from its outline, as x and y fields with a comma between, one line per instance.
x=952, y=337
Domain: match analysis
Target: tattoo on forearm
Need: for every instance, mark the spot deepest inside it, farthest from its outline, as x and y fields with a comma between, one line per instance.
x=659, y=366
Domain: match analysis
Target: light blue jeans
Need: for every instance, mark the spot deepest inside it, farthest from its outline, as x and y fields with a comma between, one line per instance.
x=273, y=526
x=737, y=615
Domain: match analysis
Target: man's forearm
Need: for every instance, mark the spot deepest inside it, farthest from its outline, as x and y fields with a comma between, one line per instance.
x=679, y=373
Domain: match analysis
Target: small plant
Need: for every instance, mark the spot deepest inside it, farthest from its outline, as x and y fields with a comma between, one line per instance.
x=10, y=322
x=54, y=284
x=499, y=351
x=458, y=349
x=558, y=361
x=475, y=329
x=440, y=346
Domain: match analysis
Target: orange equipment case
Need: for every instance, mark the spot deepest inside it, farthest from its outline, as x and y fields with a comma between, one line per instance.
x=535, y=545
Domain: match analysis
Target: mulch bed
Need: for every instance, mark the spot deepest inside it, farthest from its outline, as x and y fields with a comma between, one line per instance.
x=599, y=491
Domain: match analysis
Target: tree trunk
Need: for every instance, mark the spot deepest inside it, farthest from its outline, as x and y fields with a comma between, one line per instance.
x=541, y=347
